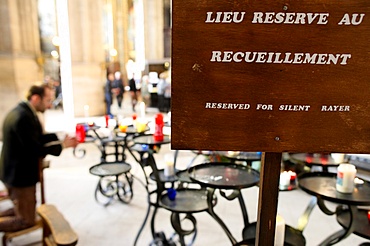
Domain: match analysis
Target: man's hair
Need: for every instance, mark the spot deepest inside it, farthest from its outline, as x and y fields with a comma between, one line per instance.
x=37, y=89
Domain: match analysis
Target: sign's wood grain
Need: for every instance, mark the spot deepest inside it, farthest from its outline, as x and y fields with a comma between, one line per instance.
x=314, y=99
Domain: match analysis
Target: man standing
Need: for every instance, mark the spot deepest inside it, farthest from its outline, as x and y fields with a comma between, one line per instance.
x=24, y=147
x=118, y=88
x=108, y=92
x=133, y=92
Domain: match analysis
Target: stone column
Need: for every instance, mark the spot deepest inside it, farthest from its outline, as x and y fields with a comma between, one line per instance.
x=20, y=55
x=121, y=36
x=87, y=56
x=153, y=26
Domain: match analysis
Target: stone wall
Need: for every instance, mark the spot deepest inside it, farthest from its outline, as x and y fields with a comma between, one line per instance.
x=19, y=50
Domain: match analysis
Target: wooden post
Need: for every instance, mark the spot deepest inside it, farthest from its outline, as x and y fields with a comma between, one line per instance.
x=268, y=198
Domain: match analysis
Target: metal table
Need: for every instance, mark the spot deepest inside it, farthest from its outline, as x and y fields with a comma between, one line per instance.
x=225, y=176
x=110, y=185
x=323, y=187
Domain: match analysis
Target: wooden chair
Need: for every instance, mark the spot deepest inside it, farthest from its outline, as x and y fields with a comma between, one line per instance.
x=56, y=229
x=8, y=236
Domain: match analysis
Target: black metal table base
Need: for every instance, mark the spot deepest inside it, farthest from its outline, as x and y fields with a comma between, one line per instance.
x=361, y=222
x=115, y=182
x=109, y=188
x=187, y=201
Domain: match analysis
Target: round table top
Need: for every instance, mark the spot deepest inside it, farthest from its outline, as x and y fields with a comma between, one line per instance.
x=314, y=159
x=224, y=175
x=241, y=156
x=113, y=139
x=93, y=127
x=183, y=176
x=110, y=169
x=164, y=178
x=130, y=130
x=149, y=140
x=324, y=185
x=186, y=201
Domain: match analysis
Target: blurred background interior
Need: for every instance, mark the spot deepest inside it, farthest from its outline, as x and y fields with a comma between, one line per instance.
x=74, y=44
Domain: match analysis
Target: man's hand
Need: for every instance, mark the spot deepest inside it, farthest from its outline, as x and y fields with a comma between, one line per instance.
x=70, y=142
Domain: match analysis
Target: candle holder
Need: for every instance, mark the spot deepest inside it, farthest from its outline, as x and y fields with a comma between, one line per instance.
x=279, y=231
x=284, y=181
x=106, y=117
x=169, y=168
x=141, y=124
x=123, y=128
x=171, y=194
x=80, y=133
x=346, y=175
x=145, y=147
x=293, y=178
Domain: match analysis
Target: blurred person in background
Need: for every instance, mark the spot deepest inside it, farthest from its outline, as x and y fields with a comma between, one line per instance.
x=167, y=94
x=133, y=92
x=118, y=88
x=161, y=87
x=108, y=92
x=145, y=94
x=58, y=101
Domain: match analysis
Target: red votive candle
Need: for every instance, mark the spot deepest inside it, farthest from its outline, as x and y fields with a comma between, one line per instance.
x=293, y=176
x=106, y=120
x=80, y=133
x=158, y=132
x=324, y=160
x=368, y=216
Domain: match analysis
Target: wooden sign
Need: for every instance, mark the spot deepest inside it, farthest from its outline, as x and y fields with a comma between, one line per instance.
x=271, y=76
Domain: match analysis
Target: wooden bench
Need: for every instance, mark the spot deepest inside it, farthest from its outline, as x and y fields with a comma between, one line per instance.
x=56, y=229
